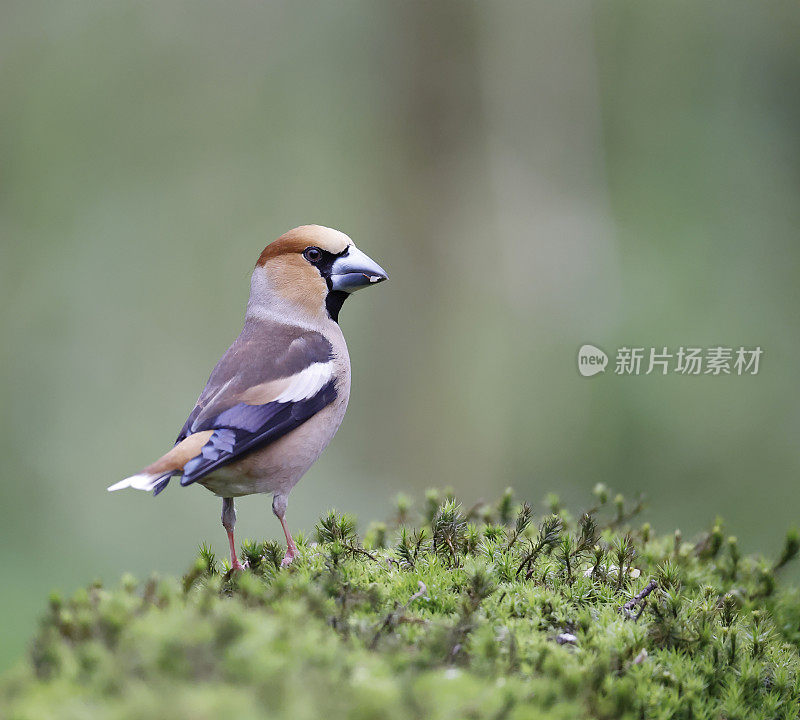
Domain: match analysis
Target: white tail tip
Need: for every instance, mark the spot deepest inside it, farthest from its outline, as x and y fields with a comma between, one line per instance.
x=143, y=481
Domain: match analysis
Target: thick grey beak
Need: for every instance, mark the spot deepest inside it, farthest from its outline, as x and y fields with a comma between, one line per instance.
x=354, y=271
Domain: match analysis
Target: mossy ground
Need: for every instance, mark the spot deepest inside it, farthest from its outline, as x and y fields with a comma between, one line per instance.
x=482, y=613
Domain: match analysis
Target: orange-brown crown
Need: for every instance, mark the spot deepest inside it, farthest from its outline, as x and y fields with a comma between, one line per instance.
x=299, y=238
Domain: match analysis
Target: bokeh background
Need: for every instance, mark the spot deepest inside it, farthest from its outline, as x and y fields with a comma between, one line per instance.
x=534, y=176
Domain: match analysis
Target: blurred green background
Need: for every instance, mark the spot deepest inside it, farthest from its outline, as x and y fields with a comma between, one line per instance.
x=533, y=176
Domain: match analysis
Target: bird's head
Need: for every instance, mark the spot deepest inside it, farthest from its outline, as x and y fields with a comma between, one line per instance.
x=311, y=270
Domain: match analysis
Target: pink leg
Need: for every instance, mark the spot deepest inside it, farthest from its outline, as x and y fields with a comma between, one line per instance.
x=235, y=564
x=228, y=521
x=291, y=548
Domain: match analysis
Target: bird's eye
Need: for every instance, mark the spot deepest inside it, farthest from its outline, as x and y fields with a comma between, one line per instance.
x=312, y=254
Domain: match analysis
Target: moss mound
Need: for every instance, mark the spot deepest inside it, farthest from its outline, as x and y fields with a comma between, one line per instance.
x=482, y=613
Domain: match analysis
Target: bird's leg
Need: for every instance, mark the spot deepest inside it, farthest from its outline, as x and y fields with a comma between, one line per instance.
x=228, y=522
x=279, y=503
x=291, y=548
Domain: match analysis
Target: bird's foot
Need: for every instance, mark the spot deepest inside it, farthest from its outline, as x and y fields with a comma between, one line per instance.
x=291, y=554
x=236, y=565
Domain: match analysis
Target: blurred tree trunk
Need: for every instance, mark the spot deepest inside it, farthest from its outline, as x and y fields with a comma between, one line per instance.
x=440, y=132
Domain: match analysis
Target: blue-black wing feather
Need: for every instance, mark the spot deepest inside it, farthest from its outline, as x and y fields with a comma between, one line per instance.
x=244, y=428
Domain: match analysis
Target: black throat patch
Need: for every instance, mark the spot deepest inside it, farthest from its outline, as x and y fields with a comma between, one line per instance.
x=335, y=298
x=334, y=301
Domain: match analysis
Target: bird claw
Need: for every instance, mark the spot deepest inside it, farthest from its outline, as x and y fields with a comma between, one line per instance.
x=288, y=558
x=236, y=565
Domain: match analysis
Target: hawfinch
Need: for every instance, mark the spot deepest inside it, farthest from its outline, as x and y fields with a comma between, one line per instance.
x=278, y=395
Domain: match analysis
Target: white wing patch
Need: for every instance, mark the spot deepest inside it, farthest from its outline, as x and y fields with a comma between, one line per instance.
x=306, y=383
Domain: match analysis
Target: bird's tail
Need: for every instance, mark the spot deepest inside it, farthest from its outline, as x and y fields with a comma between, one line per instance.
x=156, y=476
x=142, y=481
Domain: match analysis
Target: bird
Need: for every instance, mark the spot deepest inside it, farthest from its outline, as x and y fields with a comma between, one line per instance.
x=279, y=393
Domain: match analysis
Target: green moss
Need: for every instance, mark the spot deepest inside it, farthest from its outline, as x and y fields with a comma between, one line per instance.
x=486, y=613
